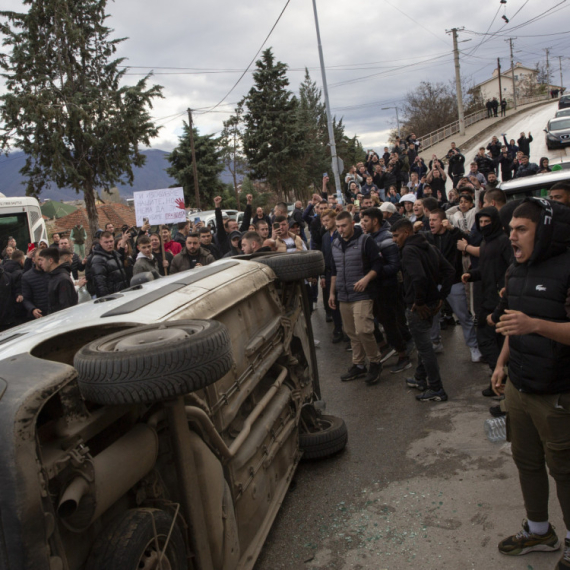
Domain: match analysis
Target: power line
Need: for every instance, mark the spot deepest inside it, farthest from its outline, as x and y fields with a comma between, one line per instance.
x=254, y=58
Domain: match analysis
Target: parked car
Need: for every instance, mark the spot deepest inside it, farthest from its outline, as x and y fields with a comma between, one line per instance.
x=160, y=427
x=562, y=113
x=564, y=102
x=536, y=185
x=557, y=133
x=208, y=217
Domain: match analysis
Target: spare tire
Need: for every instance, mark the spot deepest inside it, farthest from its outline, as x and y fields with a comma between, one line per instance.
x=154, y=362
x=295, y=266
x=331, y=439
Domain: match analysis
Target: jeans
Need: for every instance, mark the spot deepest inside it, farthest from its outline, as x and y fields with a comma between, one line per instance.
x=457, y=299
x=538, y=426
x=358, y=324
x=79, y=249
x=428, y=367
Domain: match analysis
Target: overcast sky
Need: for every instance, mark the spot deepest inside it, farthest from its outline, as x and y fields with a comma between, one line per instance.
x=375, y=50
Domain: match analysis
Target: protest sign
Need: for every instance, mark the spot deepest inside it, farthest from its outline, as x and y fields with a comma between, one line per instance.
x=164, y=206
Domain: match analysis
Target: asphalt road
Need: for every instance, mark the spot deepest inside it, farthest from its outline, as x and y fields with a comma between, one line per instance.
x=418, y=486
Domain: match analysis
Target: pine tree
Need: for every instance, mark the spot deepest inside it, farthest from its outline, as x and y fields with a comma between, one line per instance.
x=231, y=150
x=270, y=138
x=208, y=163
x=64, y=106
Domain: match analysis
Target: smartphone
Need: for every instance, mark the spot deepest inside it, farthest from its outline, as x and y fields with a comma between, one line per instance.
x=276, y=225
x=357, y=203
x=145, y=221
x=197, y=220
x=325, y=174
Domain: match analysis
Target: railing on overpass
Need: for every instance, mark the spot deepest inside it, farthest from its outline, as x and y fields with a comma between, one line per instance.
x=453, y=128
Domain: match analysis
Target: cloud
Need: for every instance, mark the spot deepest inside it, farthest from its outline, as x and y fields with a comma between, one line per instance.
x=199, y=49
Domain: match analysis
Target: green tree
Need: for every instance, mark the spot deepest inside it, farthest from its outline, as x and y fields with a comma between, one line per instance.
x=208, y=163
x=64, y=105
x=270, y=138
x=231, y=151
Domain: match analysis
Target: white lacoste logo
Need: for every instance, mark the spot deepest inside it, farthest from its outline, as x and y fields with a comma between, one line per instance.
x=540, y=288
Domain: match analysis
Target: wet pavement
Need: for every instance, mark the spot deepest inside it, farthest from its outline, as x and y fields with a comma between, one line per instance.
x=418, y=486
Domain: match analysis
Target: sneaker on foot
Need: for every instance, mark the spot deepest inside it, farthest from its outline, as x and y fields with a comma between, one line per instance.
x=437, y=347
x=525, y=541
x=564, y=562
x=373, y=376
x=386, y=352
x=432, y=396
x=401, y=365
x=337, y=337
x=353, y=373
x=416, y=384
x=476, y=355
x=488, y=392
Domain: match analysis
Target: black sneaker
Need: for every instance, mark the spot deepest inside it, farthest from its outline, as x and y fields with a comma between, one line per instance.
x=373, y=376
x=417, y=384
x=525, y=541
x=488, y=392
x=496, y=411
x=432, y=396
x=337, y=337
x=401, y=365
x=353, y=373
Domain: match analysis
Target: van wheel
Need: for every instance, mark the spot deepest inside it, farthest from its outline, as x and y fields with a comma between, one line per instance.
x=295, y=266
x=331, y=439
x=153, y=363
x=130, y=542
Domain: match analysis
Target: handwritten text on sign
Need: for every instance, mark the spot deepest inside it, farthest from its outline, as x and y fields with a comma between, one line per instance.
x=165, y=206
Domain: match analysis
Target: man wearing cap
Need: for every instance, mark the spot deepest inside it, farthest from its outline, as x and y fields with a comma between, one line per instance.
x=286, y=240
x=235, y=244
x=390, y=212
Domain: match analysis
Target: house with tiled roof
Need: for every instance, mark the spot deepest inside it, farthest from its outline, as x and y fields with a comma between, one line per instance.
x=117, y=214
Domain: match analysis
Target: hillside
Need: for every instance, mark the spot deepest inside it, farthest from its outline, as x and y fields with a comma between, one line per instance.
x=151, y=176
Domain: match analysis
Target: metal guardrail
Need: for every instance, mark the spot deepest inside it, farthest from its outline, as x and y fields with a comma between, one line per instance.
x=445, y=132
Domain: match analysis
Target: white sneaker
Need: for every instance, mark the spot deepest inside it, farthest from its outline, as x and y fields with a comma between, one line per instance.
x=476, y=355
x=437, y=347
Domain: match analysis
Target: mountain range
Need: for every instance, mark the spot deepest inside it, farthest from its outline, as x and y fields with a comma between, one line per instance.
x=151, y=176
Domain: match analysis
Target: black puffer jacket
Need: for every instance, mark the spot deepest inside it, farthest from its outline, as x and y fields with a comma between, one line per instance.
x=61, y=292
x=107, y=272
x=35, y=291
x=496, y=255
x=447, y=244
x=539, y=289
x=390, y=254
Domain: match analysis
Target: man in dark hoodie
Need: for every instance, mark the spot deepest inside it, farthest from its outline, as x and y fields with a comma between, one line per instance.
x=387, y=305
x=35, y=289
x=191, y=256
x=235, y=245
x=424, y=269
x=536, y=326
x=61, y=291
x=15, y=266
x=495, y=256
x=225, y=228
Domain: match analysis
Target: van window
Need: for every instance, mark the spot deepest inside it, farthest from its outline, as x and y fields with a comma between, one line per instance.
x=15, y=225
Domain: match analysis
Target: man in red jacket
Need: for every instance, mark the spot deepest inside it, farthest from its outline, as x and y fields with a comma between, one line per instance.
x=169, y=244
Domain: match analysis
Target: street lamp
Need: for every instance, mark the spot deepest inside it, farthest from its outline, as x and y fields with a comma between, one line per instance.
x=397, y=120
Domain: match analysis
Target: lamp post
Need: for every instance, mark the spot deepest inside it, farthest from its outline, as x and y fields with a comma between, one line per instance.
x=397, y=119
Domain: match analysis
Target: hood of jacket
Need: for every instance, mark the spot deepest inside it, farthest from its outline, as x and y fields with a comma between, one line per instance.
x=11, y=266
x=63, y=268
x=383, y=233
x=98, y=250
x=495, y=228
x=553, y=231
x=417, y=240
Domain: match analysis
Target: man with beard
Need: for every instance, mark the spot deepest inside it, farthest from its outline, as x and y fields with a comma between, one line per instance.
x=191, y=256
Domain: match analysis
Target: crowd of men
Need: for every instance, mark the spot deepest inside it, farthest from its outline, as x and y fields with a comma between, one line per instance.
x=411, y=251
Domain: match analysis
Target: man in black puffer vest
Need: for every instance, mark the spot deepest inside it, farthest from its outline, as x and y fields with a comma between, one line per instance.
x=109, y=275
x=536, y=324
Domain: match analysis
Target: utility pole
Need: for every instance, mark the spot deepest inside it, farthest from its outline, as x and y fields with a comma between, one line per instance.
x=194, y=165
x=547, y=71
x=561, y=82
x=510, y=40
x=332, y=142
x=500, y=86
x=460, y=111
